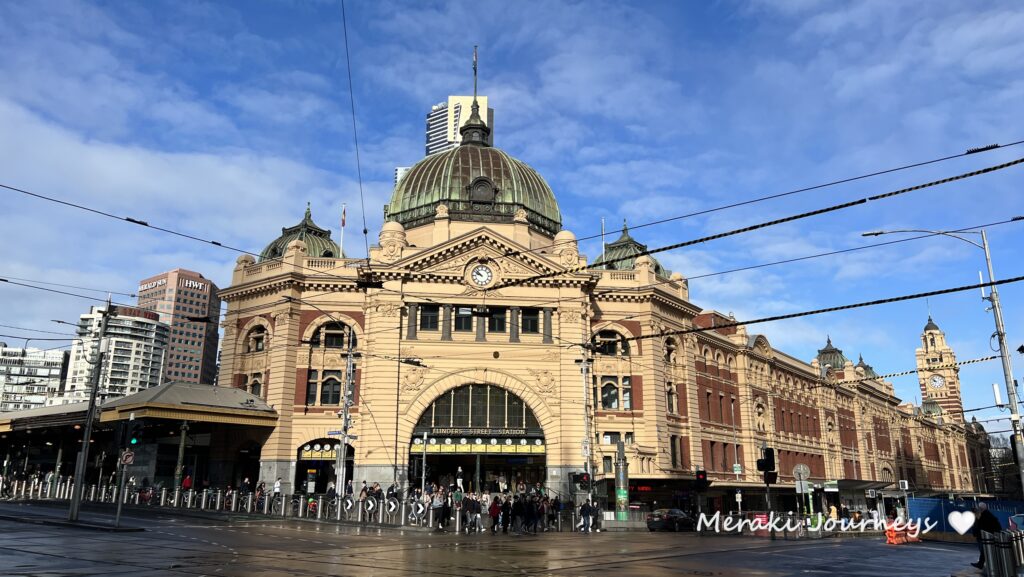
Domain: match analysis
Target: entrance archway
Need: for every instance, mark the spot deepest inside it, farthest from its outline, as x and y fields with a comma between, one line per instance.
x=488, y=431
x=316, y=465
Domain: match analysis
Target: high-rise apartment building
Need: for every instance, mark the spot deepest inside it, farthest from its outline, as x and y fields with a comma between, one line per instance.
x=136, y=350
x=400, y=172
x=446, y=118
x=188, y=303
x=29, y=376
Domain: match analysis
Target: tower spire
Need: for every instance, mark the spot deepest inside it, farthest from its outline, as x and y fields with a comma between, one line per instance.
x=475, y=130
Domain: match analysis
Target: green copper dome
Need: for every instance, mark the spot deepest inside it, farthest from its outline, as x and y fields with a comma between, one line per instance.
x=318, y=240
x=627, y=249
x=475, y=182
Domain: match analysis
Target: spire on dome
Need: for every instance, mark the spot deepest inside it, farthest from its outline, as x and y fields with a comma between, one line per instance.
x=931, y=326
x=474, y=131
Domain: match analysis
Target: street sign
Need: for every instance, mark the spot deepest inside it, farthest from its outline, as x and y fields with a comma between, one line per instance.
x=127, y=458
x=871, y=493
x=370, y=504
x=904, y=485
x=417, y=510
x=347, y=503
x=334, y=433
x=801, y=472
x=831, y=486
x=737, y=468
x=803, y=487
x=392, y=505
x=353, y=437
x=739, y=496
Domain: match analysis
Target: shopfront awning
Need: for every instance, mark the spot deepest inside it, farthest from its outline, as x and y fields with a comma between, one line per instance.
x=854, y=485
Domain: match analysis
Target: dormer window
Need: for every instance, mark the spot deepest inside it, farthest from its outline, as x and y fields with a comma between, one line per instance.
x=482, y=190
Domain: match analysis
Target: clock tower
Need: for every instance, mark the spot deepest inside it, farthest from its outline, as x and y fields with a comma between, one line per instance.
x=937, y=374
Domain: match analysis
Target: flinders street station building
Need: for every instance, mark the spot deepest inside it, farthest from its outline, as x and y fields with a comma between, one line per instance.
x=472, y=346
x=476, y=336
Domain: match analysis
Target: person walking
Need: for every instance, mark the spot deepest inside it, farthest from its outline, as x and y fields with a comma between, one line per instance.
x=585, y=512
x=186, y=483
x=277, y=487
x=506, y=515
x=458, y=480
x=495, y=512
x=984, y=521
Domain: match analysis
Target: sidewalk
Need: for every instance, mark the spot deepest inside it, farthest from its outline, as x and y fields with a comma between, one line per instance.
x=43, y=515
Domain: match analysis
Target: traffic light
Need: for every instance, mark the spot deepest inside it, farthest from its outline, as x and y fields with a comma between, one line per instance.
x=134, y=434
x=767, y=460
x=771, y=477
x=584, y=479
x=700, y=481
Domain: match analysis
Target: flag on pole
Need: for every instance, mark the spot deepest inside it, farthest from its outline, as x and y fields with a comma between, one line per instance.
x=341, y=235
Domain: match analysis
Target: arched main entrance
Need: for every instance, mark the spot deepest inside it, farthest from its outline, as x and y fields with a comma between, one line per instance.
x=316, y=465
x=486, y=430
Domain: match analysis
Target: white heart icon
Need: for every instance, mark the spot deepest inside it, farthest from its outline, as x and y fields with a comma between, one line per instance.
x=962, y=521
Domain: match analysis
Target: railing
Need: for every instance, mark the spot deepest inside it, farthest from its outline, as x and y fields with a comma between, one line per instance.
x=385, y=512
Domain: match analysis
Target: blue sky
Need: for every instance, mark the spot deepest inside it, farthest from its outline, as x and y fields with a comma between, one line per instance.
x=224, y=119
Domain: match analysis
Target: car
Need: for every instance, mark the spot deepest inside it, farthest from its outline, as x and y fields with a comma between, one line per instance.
x=1016, y=522
x=669, y=520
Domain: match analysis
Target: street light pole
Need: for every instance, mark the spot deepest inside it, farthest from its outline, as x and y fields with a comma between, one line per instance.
x=997, y=312
x=90, y=416
x=1004, y=355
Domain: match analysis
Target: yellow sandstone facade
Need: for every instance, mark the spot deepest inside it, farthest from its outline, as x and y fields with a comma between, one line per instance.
x=491, y=371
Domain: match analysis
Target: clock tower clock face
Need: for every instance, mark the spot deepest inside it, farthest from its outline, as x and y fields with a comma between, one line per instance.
x=937, y=382
x=481, y=275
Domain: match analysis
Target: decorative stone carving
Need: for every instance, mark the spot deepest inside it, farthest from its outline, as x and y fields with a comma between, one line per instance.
x=475, y=292
x=392, y=241
x=441, y=211
x=413, y=377
x=550, y=356
x=545, y=380
x=384, y=309
x=519, y=216
x=759, y=415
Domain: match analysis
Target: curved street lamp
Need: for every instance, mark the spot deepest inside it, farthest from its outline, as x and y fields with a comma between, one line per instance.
x=997, y=312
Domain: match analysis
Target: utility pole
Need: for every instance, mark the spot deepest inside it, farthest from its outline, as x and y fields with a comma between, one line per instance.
x=346, y=402
x=90, y=416
x=179, y=468
x=1004, y=355
x=587, y=452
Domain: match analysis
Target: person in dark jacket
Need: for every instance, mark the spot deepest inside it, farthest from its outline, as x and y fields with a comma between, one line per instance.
x=984, y=521
x=506, y=515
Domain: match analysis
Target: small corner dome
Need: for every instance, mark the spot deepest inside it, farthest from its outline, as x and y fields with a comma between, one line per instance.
x=676, y=276
x=317, y=240
x=392, y=226
x=245, y=260
x=565, y=235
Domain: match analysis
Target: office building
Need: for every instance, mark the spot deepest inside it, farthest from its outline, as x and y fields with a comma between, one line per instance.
x=136, y=350
x=446, y=119
x=28, y=376
x=188, y=303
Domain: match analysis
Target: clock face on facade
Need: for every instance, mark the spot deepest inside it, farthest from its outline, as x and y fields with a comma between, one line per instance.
x=481, y=275
x=937, y=381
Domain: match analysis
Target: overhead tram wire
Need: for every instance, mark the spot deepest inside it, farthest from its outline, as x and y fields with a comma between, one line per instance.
x=355, y=134
x=130, y=295
x=968, y=152
x=876, y=302
x=767, y=224
x=144, y=223
x=37, y=331
x=740, y=269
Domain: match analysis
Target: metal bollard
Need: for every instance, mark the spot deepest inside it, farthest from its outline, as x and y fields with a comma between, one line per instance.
x=92, y=493
x=217, y=500
x=359, y=512
x=430, y=518
x=137, y=497
x=285, y=505
x=266, y=504
x=320, y=507
x=987, y=546
x=248, y=503
x=163, y=496
x=458, y=520
x=103, y=494
x=401, y=518
x=204, y=501
x=234, y=502
x=1004, y=544
x=1018, y=547
x=380, y=511
x=175, y=499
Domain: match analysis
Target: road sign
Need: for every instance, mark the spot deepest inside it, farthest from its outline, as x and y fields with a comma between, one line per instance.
x=353, y=437
x=801, y=472
x=347, y=503
x=803, y=487
x=334, y=433
x=904, y=485
x=737, y=468
x=370, y=504
x=392, y=505
x=127, y=458
x=417, y=510
x=739, y=496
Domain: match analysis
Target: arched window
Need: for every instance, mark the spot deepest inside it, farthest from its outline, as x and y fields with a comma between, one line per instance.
x=330, y=391
x=333, y=335
x=609, y=394
x=328, y=254
x=478, y=407
x=670, y=352
x=256, y=385
x=610, y=343
x=255, y=340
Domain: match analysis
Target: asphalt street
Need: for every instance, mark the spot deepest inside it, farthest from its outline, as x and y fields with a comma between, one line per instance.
x=180, y=547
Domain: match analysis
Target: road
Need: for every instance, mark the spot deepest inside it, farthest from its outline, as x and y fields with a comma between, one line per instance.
x=191, y=547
